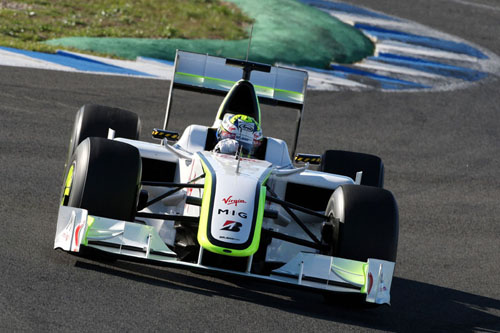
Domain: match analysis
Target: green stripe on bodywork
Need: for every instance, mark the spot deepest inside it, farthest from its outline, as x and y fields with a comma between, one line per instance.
x=205, y=208
x=90, y=221
x=202, y=81
x=351, y=271
x=204, y=216
x=214, y=83
x=288, y=95
x=365, y=271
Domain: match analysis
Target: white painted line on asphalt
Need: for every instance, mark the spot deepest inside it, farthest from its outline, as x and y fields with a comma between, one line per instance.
x=383, y=67
x=477, y=5
x=18, y=60
x=324, y=81
x=157, y=69
x=351, y=19
x=415, y=50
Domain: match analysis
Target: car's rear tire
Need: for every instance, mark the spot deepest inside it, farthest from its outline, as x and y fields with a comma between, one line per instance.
x=94, y=120
x=365, y=223
x=348, y=163
x=104, y=177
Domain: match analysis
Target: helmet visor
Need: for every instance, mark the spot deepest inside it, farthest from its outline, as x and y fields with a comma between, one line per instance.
x=245, y=135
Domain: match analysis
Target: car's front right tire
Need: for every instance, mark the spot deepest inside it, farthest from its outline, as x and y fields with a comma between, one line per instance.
x=365, y=223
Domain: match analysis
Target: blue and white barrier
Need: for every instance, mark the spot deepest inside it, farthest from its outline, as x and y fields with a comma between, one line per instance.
x=408, y=56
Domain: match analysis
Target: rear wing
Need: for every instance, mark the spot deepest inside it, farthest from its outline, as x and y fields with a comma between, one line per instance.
x=274, y=85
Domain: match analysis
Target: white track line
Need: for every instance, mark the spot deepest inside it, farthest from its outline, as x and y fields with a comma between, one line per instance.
x=351, y=19
x=157, y=69
x=323, y=81
x=414, y=50
x=383, y=67
x=19, y=60
x=477, y=5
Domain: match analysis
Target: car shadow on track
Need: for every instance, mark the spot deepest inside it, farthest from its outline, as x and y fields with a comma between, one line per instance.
x=416, y=306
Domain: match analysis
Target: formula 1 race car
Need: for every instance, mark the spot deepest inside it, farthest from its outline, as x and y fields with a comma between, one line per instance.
x=182, y=202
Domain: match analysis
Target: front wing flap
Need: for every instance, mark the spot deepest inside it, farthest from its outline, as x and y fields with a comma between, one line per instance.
x=372, y=278
x=311, y=270
x=75, y=228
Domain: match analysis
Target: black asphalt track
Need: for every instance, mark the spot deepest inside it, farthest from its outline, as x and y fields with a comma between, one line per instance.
x=442, y=157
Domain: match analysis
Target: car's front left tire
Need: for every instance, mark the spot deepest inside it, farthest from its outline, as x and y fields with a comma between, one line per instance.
x=104, y=177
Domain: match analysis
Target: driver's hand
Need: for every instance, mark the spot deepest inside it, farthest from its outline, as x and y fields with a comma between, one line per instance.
x=227, y=146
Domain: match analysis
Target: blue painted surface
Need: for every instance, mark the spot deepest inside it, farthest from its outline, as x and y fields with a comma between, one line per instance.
x=385, y=81
x=436, y=43
x=458, y=72
x=77, y=62
x=346, y=8
x=79, y=57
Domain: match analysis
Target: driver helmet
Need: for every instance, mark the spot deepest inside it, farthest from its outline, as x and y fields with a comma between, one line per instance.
x=243, y=129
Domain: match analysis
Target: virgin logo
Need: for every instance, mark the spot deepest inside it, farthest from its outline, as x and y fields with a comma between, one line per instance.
x=230, y=201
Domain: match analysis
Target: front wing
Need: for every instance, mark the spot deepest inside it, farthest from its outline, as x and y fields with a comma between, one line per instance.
x=75, y=228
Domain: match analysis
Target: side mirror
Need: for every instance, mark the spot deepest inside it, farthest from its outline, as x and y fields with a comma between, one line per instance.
x=307, y=158
x=164, y=134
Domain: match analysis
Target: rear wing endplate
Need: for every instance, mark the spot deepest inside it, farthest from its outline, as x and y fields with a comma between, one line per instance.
x=207, y=74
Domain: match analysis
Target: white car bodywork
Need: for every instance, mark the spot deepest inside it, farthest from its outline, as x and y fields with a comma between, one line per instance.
x=193, y=141
x=153, y=238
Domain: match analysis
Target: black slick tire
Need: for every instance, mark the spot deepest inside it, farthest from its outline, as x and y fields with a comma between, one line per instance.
x=105, y=179
x=365, y=223
x=94, y=120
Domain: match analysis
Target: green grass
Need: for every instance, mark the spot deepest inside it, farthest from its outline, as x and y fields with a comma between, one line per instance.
x=26, y=24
